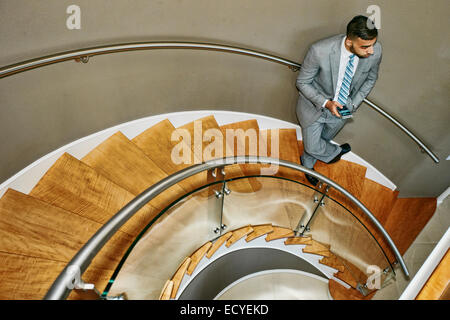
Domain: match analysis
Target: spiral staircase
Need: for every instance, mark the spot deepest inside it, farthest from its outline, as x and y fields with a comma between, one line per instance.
x=41, y=231
x=342, y=283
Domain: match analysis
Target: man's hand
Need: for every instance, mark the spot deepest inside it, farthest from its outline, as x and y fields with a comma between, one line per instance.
x=332, y=106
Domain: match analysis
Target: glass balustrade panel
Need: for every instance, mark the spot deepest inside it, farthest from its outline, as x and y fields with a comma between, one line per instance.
x=222, y=206
x=174, y=235
x=273, y=200
x=349, y=239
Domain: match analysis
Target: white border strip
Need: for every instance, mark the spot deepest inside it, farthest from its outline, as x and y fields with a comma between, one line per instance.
x=424, y=273
x=443, y=196
x=26, y=179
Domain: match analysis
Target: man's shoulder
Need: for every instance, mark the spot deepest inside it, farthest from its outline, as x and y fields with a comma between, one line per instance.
x=328, y=42
x=378, y=48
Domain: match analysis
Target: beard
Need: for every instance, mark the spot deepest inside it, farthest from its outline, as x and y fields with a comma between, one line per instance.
x=363, y=57
x=352, y=49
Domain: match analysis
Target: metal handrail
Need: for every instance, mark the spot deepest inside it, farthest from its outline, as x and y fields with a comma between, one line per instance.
x=83, y=55
x=61, y=287
x=422, y=146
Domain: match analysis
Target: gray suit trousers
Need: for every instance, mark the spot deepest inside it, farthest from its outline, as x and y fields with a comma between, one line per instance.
x=316, y=139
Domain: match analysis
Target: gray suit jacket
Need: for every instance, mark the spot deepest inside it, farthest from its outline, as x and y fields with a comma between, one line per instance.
x=318, y=76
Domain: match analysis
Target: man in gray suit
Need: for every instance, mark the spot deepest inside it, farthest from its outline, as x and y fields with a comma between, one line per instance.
x=337, y=72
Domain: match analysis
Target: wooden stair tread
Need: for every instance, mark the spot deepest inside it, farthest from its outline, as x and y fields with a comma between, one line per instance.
x=333, y=262
x=407, y=218
x=339, y=292
x=167, y=290
x=216, y=245
x=347, y=277
x=179, y=274
x=288, y=145
x=122, y=162
x=351, y=274
x=34, y=228
x=62, y=198
x=243, y=140
x=26, y=278
x=287, y=150
x=298, y=240
x=198, y=131
x=378, y=199
x=29, y=278
x=156, y=142
x=279, y=233
x=74, y=186
x=316, y=247
x=259, y=231
x=349, y=175
x=197, y=256
x=205, y=150
x=238, y=234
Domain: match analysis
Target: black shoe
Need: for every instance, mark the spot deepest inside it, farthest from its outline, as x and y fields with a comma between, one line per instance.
x=345, y=148
x=314, y=181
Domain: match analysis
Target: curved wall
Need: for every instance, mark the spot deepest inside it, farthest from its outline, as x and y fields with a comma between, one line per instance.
x=43, y=109
x=231, y=267
x=277, y=285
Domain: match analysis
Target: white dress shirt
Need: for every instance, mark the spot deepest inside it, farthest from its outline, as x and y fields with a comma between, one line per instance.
x=345, y=57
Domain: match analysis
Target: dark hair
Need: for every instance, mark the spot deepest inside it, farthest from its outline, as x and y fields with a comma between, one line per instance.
x=361, y=27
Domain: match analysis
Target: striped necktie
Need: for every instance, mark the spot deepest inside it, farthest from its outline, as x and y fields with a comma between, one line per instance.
x=345, y=87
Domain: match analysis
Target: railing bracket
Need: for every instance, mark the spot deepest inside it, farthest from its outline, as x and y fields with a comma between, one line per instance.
x=87, y=291
x=122, y=296
x=362, y=289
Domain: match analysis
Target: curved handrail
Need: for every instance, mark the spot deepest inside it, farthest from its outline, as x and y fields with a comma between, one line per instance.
x=81, y=261
x=84, y=54
x=422, y=146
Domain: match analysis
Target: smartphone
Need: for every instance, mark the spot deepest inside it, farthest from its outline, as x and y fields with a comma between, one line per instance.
x=345, y=113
